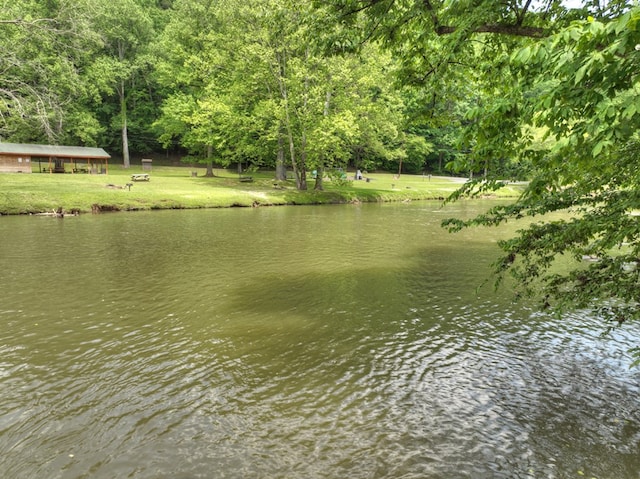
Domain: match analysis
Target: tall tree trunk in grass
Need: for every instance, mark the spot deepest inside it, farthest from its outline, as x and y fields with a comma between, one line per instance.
x=123, y=119
x=281, y=169
x=125, y=27
x=209, y=162
x=320, y=169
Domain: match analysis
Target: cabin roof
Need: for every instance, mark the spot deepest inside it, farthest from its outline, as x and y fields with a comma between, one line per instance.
x=46, y=151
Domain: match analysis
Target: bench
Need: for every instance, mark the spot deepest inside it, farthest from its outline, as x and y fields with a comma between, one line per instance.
x=140, y=177
x=246, y=179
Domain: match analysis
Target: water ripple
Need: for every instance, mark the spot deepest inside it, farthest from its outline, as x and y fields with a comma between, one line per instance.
x=231, y=362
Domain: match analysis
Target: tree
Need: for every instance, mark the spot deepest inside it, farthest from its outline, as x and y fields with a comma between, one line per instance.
x=125, y=28
x=577, y=82
x=581, y=87
x=191, y=62
x=286, y=102
x=417, y=148
x=45, y=95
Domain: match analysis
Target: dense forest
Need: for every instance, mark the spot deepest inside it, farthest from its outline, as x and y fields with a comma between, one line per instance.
x=269, y=83
x=545, y=91
x=264, y=83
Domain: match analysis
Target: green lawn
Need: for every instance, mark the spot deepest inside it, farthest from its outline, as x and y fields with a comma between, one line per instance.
x=175, y=187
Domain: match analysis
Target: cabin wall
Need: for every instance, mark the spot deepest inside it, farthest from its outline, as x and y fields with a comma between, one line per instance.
x=15, y=164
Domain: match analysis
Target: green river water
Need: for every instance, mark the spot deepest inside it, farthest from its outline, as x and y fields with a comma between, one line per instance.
x=295, y=342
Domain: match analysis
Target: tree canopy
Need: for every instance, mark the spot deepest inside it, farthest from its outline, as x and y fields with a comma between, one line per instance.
x=580, y=88
x=557, y=94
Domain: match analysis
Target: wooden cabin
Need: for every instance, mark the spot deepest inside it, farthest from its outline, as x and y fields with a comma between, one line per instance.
x=28, y=158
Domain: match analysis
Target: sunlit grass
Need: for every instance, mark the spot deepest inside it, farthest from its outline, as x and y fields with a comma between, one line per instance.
x=176, y=187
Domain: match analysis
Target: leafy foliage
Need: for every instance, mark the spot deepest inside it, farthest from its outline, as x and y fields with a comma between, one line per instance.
x=580, y=86
x=42, y=93
x=256, y=82
x=555, y=95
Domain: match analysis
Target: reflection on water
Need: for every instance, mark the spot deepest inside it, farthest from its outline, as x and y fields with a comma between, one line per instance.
x=298, y=342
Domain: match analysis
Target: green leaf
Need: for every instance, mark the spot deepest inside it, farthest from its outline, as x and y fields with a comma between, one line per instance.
x=622, y=22
x=580, y=73
x=629, y=111
x=598, y=148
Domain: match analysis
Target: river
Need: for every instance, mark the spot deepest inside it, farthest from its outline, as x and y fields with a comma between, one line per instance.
x=295, y=342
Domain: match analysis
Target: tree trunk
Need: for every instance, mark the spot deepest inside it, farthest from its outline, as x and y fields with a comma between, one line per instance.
x=302, y=183
x=299, y=172
x=301, y=179
x=357, y=157
x=209, y=172
x=302, y=169
x=125, y=135
x=281, y=169
x=320, y=169
x=319, y=175
x=292, y=151
x=123, y=109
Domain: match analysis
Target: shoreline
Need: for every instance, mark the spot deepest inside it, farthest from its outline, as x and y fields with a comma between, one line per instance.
x=175, y=188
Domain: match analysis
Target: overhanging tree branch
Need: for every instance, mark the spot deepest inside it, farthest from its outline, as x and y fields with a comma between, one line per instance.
x=20, y=21
x=512, y=30
x=517, y=28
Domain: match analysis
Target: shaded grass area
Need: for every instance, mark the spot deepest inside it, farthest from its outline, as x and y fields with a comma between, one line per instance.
x=176, y=187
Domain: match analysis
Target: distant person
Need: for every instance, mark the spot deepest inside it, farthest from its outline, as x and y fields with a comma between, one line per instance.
x=358, y=175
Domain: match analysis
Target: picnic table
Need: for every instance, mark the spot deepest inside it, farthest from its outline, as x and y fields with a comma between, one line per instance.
x=140, y=177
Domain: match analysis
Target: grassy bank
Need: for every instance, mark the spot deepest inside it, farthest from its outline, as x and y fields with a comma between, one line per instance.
x=176, y=187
